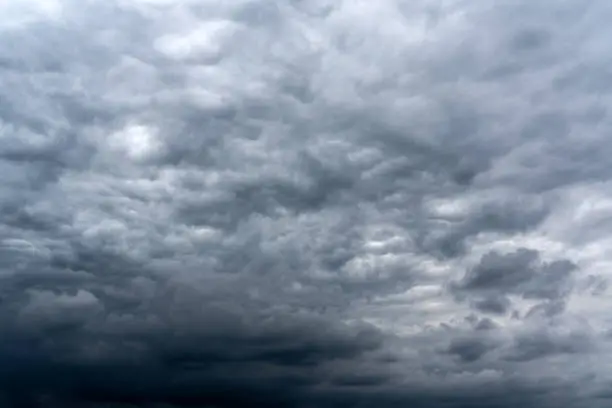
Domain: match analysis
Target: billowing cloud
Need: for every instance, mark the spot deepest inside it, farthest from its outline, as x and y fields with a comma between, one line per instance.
x=308, y=203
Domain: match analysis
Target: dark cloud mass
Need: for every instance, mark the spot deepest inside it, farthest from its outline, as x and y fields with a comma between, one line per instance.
x=305, y=203
x=519, y=272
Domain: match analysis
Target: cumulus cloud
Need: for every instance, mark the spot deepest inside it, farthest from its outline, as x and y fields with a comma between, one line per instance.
x=305, y=203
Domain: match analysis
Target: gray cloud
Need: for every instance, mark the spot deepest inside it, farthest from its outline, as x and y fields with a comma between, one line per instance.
x=532, y=346
x=521, y=273
x=495, y=305
x=469, y=349
x=303, y=204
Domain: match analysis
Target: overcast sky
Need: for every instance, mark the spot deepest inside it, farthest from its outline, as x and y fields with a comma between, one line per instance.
x=305, y=203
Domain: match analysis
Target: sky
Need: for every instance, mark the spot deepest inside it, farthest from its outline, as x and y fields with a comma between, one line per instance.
x=305, y=203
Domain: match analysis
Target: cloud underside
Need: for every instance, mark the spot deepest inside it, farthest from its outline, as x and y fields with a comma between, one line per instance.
x=307, y=203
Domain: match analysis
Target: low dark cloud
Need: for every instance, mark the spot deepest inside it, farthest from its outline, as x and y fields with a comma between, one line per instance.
x=469, y=349
x=520, y=273
x=495, y=305
x=531, y=346
x=224, y=361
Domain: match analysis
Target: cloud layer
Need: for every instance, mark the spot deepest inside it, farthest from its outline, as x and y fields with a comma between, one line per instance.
x=305, y=203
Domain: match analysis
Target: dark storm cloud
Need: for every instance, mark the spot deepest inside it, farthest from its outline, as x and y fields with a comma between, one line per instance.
x=550, y=308
x=495, y=305
x=262, y=203
x=485, y=324
x=532, y=346
x=226, y=361
x=469, y=349
x=520, y=272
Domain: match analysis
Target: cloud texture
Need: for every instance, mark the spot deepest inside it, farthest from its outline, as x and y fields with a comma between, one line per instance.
x=305, y=203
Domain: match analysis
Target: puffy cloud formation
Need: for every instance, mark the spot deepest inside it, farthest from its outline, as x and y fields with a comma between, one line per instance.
x=305, y=203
